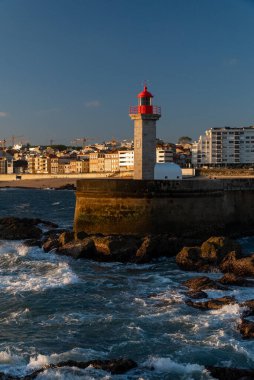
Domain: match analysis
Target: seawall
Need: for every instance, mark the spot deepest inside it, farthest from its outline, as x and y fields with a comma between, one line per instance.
x=189, y=207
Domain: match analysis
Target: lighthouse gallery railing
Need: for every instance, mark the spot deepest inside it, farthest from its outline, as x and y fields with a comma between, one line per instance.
x=156, y=110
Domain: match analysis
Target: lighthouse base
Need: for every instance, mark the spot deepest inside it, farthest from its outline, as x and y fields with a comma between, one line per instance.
x=183, y=208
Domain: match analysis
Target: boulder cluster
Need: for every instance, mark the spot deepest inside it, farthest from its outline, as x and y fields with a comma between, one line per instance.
x=121, y=248
x=216, y=253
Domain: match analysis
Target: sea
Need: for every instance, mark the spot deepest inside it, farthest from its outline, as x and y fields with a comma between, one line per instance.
x=55, y=308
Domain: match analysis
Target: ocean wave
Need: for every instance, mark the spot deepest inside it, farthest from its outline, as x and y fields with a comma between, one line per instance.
x=186, y=371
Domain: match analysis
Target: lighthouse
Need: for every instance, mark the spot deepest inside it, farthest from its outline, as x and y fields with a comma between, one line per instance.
x=145, y=115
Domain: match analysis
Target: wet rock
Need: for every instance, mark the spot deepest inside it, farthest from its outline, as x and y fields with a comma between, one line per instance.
x=65, y=237
x=154, y=246
x=239, y=266
x=202, y=283
x=50, y=242
x=81, y=235
x=212, y=304
x=78, y=249
x=249, y=307
x=216, y=248
x=222, y=373
x=114, y=366
x=68, y=186
x=232, y=279
x=32, y=243
x=189, y=258
x=12, y=228
x=246, y=328
x=196, y=294
x=208, y=256
x=116, y=247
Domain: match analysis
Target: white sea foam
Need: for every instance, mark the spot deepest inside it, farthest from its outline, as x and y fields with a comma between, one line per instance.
x=227, y=311
x=162, y=364
x=35, y=278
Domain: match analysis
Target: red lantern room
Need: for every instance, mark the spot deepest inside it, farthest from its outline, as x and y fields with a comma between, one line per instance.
x=145, y=106
x=145, y=102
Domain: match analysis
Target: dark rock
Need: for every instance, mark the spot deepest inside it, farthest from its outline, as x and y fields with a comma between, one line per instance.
x=208, y=256
x=246, y=328
x=202, y=283
x=196, y=295
x=116, y=247
x=212, y=304
x=216, y=248
x=189, y=258
x=248, y=308
x=65, y=237
x=232, y=279
x=51, y=243
x=47, y=223
x=114, y=366
x=68, y=186
x=240, y=267
x=222, y=373
x=32, y=243
x=78, y=249
x=154, y=246
x=12, y=228
x=81, y=235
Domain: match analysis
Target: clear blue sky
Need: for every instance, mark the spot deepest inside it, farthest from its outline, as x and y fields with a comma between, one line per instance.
x=71, y=68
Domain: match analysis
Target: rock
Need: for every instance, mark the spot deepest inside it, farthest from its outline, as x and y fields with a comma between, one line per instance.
x=202, y=283
x=222, y=373
x=12, y=228
x=196, y=295
x=208, y=256
x=232, y=279
x=65, y=237
x=240, y=267
x=189, y=258
x=216, y=248
x=114, y=366
x=246, y=328
x=116, y=247
x=212, y=304
x=51, y=242
x=81, y=235
x=32, y=243
x=154, y=246
x=249, y=307
x=68, y=186
x=78, y=249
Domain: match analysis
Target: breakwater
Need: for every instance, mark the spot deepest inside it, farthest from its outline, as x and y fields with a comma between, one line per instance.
x=189, y=207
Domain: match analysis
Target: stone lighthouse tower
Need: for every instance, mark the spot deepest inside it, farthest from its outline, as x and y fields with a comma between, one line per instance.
x=144, y=116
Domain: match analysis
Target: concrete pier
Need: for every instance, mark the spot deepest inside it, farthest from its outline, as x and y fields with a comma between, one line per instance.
x=189, y=207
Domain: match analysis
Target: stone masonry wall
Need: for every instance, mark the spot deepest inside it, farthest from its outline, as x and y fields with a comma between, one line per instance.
x=184, y=208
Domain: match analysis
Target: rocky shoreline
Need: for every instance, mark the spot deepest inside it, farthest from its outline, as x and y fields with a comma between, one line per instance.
x=216, y=254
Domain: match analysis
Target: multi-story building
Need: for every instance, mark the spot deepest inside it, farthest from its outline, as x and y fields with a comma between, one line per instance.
x=112, y=162
x=54, y=165
x=126, y=160
x=164, y=154
x=6, y=163
x=224, y=146
x=38, y=164
x=96, y=162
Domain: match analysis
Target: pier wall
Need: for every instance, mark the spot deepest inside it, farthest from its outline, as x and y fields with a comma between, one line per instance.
x=189, y=207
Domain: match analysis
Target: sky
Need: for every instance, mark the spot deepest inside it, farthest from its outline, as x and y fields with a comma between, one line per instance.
x=71, y=68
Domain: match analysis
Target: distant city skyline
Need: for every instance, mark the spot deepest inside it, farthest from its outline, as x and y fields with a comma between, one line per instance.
x=71, y=69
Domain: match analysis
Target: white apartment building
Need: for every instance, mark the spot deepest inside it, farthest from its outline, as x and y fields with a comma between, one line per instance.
x=126, y=159
x=164, y=155
x=224, y=146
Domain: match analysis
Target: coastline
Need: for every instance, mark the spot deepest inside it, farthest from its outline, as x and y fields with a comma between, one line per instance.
x=42, y=183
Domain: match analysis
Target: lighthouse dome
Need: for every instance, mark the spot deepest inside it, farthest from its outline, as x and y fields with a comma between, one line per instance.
x=145, y=94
